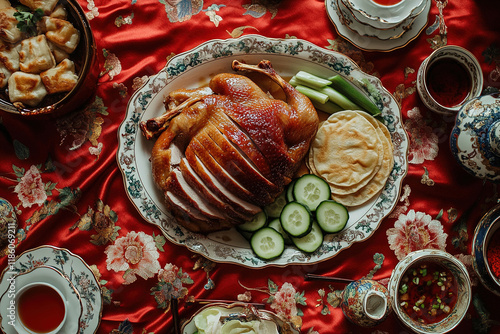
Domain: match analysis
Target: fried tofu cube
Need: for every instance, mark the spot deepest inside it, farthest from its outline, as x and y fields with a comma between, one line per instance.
x=61, y=78
x=26, y=88
x=9, y=55
x=8, y=25
x=4, y=75
x=46, y=5
x=35, y=55
x=61, y=32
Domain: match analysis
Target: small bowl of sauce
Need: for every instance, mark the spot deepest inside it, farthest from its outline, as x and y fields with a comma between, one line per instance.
x=448, y=78
x=430, y=291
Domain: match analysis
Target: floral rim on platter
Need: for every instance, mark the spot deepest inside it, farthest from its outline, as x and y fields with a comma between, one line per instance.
x=193, y=68
x=73, y=268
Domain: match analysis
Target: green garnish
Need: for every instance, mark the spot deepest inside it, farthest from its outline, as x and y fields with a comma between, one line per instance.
x=27, y=19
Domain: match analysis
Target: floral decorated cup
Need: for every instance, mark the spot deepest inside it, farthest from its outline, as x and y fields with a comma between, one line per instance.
x=483, y=235
x=460, y=276
x=384, y=14
x=452, y=64
x=475, y=138
x=365, y=302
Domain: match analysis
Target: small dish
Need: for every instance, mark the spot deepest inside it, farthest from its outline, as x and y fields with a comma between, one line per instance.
x=73, y=268
x=483, y=236
x=460, y=276
x=383, y=16
x=11, y=283
x=475, y=137
x=366, y=30
x=449, y=64
x=239, y=311
x=376, y=44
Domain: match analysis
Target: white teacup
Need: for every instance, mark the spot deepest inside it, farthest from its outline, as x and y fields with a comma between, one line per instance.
x=458, y=60
x=27, y=302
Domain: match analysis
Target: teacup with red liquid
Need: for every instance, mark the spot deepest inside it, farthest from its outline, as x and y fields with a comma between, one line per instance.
x=40, y=308
x=448, y=78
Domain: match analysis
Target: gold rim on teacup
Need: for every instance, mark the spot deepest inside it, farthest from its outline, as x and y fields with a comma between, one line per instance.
x=467, y=61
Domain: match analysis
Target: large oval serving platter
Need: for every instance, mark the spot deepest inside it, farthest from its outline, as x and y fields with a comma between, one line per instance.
x=195, y=68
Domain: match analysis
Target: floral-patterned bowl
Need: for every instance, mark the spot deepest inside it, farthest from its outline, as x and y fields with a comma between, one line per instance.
x=384, y=16
x=486, y=234
x=464, y=63
x=86, y=67
x=475, y=138
x=460, y=277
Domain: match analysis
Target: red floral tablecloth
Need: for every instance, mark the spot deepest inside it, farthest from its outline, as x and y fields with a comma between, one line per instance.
x=62, y=177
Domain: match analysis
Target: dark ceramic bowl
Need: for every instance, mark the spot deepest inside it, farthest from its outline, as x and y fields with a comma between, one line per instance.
x=86, y=66
x=488, y=225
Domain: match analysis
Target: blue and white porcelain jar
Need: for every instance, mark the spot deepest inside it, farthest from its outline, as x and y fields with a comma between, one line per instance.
x=475, y=138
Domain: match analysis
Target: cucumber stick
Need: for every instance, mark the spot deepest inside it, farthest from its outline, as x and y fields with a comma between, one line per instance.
x=347, y=88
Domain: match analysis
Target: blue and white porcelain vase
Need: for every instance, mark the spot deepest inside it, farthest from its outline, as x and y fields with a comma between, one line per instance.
x=475, y=138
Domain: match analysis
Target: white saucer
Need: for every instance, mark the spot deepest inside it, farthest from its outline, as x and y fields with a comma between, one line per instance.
x=12, y=281
x=367, y=30
x=74, y=269
x=376, y=44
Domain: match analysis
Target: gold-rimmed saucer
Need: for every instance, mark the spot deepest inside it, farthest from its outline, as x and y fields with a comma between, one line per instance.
x=13, y=281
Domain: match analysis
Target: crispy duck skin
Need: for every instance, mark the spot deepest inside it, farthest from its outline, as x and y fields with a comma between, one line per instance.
x=224, y=151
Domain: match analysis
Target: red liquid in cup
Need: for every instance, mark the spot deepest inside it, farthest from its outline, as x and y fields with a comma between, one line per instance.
x=448, y=82
x=41, y=308
x=387, y=2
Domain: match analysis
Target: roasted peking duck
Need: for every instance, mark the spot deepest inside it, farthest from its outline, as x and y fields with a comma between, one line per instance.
x=224, y=151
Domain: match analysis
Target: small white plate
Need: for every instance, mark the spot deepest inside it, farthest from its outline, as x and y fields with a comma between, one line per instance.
x=375, y=44
x=234, y=311
x=74, y=269
x=12, y=281
x=366, y=30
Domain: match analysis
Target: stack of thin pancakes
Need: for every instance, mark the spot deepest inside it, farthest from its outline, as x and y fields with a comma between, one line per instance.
x=353, y=152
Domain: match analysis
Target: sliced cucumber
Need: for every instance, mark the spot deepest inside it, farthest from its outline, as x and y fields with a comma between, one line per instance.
x=273, y=210
x=257, y=222
x=276, y=224
x=267, y=243
x=332, y=217
x=311, y=190
x=311, y=241
x=296, y=219
x=289, y=192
